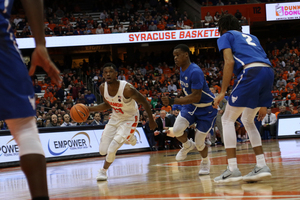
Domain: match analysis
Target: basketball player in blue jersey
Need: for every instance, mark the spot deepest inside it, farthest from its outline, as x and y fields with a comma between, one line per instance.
x=17, y=106
x=197, y=108
x=243, y=56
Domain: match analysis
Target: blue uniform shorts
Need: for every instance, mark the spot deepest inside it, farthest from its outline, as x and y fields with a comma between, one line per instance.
x=253, y=88
x=205, y=118
x=16, y=89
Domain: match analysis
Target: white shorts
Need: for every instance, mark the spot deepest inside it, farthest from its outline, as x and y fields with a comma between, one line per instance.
x=119, y=130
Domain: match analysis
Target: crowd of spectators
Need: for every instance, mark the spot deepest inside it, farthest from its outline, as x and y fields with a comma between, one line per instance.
x=118, y=17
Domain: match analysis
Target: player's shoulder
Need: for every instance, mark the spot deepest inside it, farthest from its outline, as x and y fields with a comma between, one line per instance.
x=194, y=68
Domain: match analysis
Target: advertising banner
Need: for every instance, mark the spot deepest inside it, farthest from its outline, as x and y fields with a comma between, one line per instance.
x=283, y=11
x=123, y=38
x=67, y=143
x=289, y=127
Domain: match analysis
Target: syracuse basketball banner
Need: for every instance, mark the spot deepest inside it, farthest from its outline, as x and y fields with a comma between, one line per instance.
x=283, y=11
x=123, y=38
x=67, y=143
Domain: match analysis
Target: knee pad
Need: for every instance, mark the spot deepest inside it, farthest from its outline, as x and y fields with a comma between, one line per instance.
x=112, y=150
x=200, y=140
x=180, y=125
x=26, y=135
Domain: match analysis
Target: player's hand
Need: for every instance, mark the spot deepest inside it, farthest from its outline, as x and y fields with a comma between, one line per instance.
x=165, y=100
x=262, y=113
x=40, y=57
x=218, y=99
x=152, y=124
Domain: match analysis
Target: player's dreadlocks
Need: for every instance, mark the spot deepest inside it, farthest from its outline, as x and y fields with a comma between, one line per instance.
x=229, y=22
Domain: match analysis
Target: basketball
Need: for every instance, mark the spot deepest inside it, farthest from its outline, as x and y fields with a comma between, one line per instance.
x=79, y=113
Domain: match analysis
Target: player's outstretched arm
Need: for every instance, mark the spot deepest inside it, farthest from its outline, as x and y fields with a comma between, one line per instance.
x=40, y=57
x=103, y=106
x=131, y=92
x=227, y=74
x=194, y=97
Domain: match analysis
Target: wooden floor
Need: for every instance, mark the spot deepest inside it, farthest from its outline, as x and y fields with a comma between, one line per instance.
x=156, y=175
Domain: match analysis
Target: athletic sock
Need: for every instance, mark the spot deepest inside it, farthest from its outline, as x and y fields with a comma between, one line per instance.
x=232, y=164
x=260, y=160
x=205, y=160
x=187, y=144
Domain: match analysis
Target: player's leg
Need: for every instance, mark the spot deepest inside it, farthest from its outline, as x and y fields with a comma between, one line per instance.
x=32, y=157
x=105, y=141
x=261, y=170
x=206, y=118
x=229, y=117
x=179, y=127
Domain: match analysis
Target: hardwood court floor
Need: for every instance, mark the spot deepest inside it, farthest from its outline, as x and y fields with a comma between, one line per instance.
x=156, y=175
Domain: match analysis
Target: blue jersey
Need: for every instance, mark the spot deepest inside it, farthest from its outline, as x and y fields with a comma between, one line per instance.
x=15, y=83
x=193, y=78
x=245, y=48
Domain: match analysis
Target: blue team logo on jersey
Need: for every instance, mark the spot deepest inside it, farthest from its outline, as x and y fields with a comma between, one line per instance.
x=77, y=142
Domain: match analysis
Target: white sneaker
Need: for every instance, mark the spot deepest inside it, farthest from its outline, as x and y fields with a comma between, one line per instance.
x=132, y=140
x=182, y=154
x=204, y=167
x=229, y=176
x=208, y=142
x=258, y=174
x=102, y=175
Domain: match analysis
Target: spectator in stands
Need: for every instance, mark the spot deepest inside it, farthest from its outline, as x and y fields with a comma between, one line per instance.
x=37, y=88
x=152, y=27
x=173, y=116
x=122, y=76
x=292, y=110
x=106, y=30
x=53, y=121
x=281, y=82
x=2, y=125
x=90, y=97
x=67, y=121
x=244, y=20
x=283, y=111
x=220, y=3
x=122, y=29
x=238, y=15
x=160, y=26
x=103, y=15
x=180, y=23
x=172, y=87
x=99, y=30
x=97, y=119
x=217, y=16
x=187, y=22
x=268, y=123
x=17, y=20
x=160, y=133
x=78, y=31
x=209, y=19
x=21, y=24
x=149, y=133
x=115, y=29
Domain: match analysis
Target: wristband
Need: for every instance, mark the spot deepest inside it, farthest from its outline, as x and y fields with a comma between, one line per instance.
x=171, y=101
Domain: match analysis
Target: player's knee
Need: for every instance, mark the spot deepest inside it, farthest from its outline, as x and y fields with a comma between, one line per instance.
x=25, y=133
x=178, y=130
x=246, y=121
x=102, y=152
x=200, y=140
x=110, y=157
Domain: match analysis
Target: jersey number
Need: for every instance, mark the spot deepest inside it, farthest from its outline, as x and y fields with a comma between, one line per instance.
x=118, y=110
x=248, y=40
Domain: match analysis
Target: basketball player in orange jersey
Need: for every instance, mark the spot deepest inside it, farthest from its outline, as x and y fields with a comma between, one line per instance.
x=122, y=97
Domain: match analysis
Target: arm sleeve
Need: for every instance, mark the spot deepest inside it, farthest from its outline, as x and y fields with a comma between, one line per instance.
x=225, y=41
x=197, y=80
